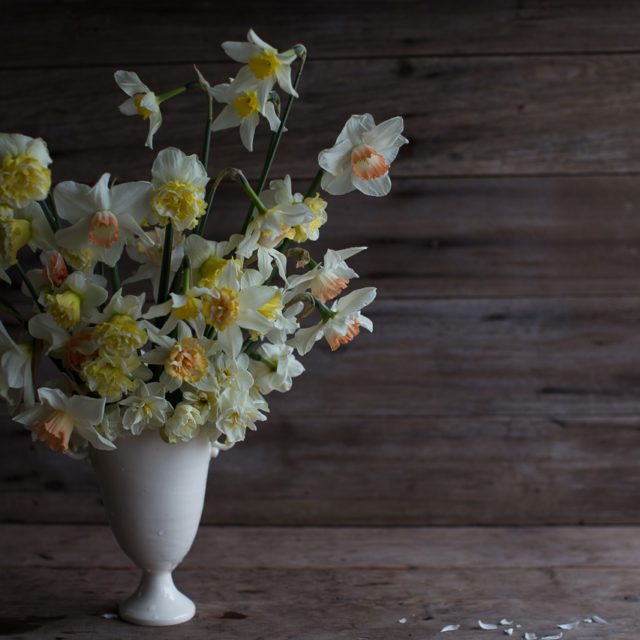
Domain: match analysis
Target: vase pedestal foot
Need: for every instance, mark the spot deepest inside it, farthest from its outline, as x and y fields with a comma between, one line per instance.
x=157, y=602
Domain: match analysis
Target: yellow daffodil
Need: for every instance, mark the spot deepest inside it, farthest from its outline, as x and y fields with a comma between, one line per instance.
x=24, y=176
x=178, y=189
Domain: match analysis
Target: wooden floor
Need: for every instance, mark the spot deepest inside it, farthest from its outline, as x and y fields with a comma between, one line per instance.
x=322, y=583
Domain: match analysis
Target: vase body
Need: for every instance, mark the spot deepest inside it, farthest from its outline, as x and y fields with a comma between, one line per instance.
x=153, y=493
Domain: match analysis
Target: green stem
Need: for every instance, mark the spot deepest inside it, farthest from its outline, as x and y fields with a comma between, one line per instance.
x=311, y=191
x=174, y=92
x=186, y=274
x=115, y=278
x=325, y=312
x=301, y=52
x=260, y=358
x=29, y=286
x=206, y=147
x=165, y=268
x=54, y=211
x=48, y=215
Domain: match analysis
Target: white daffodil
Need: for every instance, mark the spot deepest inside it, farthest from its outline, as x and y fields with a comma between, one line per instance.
x=111, y=425
x=328, y=279
x=181, y=307
x=24, y=176
x=183, y=424
x=102, y=218
x=179, y=183
x=263, y=63
x=311, y=230
x=361, y=156
x=230, y=308
x=146, y=409
x=278, y=222
x=277, y=368
x=76, y=299
x=150, y=257
x=58, y=420
x=237, y=406
x=245, y=103
x=43, y=327
x=206, y=259
x=16, y=384
x=26, y=226
x=342, y=327
x=142, y=102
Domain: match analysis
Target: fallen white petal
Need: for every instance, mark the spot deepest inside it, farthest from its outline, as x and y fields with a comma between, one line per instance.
x=569, y=625
x=587, y=620
x=487, y=626
x=599, y=620
x=505, y=623
x=450, y=627
x=557, y=636
x=509, y=631
x=110, y=616
x=402, y=620
x=530, y=636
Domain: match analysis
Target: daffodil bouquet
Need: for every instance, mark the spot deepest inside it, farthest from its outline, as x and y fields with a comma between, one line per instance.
x=226, y=319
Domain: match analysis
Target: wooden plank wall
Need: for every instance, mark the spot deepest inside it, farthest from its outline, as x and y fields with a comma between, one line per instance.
x=502, y=382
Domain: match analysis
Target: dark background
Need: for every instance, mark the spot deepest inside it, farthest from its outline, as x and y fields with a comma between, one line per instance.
x=501, y=383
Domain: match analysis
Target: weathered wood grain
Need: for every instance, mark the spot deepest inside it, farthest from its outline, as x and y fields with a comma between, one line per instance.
x=81, y=33
x=372, y=470
x=480, y=237
x=326, y=584
x=464, y=116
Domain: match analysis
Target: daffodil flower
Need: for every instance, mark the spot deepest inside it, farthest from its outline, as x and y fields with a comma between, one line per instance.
x=78, y=296
x=145, y=409
x=328, y=279
x=263, y=63
x=185, y=359
x=118, y=330
x=278, y=222
x=178, y=188
x=276, y=368
x=342, y=327
x=16, y=383
x=142, y=102
x=150, y=257
x=58, y=418
x=245, y=103
x=361, y=156
x=24, y=176
x=102, y=218
x=183, y=424
x=238, y=405
x=26, y=226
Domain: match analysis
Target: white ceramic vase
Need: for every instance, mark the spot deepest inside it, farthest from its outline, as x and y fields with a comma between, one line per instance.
x=153, y=493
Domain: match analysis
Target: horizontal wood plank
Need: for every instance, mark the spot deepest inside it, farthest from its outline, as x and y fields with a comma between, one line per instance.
x=467, y=238
x=368, y=470
x=81, y=33
x=327, y=584
x=464, y=116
